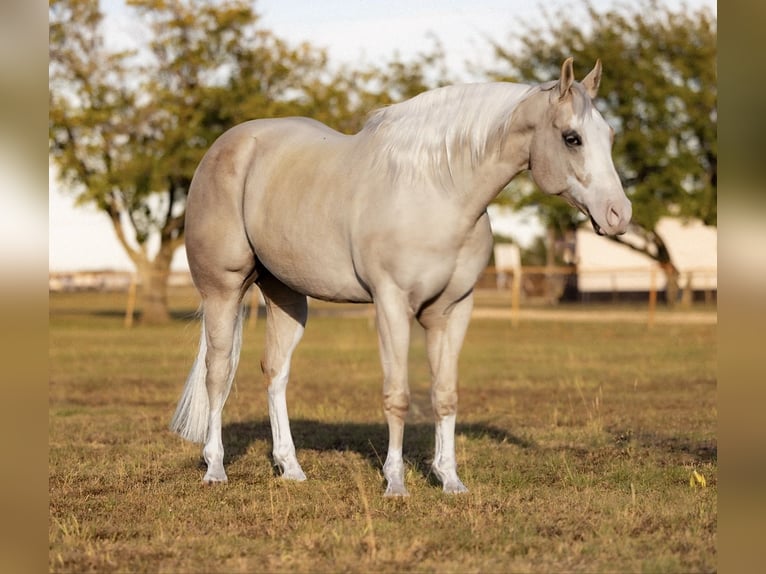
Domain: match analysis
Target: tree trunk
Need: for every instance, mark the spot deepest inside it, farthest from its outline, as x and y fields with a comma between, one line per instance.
x=661, y=256
x=672, y=283
x=153, y=301
x=153, y=274
x=671, y=272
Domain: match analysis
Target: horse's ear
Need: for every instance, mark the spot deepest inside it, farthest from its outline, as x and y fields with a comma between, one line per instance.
x=592, y=80
x=567, y=77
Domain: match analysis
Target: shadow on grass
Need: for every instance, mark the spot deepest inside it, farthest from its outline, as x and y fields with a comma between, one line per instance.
x=370, y=440
x=702, y=451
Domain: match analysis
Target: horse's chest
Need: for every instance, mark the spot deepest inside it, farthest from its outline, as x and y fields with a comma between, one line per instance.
x=427, y=259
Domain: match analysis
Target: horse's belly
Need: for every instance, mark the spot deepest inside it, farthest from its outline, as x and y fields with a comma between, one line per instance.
x=319, y=266
x=327, y=282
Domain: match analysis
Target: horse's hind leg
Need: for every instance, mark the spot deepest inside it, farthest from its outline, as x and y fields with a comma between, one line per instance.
x=222, y=264
x=445, y=332
x=286, y=314
x=223, y=331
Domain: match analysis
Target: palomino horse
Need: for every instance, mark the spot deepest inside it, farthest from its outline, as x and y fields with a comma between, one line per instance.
x=394, y=215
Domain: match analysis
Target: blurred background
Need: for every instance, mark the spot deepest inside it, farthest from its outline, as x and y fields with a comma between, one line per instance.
x=110, y=64
x=140, y=89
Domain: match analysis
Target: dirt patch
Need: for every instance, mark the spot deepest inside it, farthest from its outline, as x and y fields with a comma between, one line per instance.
x=599, y=316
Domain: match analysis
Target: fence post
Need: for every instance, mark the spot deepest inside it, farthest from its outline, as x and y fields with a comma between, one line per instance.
x=131, y=305
x=687, y=294
x=652, y=295
x=515, y=296
x=508, y=258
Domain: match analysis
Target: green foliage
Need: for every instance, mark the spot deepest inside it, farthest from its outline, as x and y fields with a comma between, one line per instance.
x=128, y=128
x=658, y=91
x=345, y=99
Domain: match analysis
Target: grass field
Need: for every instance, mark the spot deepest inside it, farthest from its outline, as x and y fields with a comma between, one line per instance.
x=577, y=441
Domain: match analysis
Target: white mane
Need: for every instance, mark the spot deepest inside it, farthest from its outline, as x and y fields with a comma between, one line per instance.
x=431, y=134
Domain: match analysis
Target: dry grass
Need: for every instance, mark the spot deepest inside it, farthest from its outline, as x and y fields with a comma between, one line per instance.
x=576, y=441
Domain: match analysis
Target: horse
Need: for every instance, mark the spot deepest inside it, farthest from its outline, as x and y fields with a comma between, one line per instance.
x=394, y=215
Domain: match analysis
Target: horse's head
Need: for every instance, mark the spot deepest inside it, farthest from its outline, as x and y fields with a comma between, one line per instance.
x=570, y=153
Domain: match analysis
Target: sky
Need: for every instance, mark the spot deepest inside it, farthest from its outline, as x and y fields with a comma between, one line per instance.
x=352, y=31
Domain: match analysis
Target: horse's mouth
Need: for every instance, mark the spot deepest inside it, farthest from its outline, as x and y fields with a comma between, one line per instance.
x=584, y=210
x=596, y=226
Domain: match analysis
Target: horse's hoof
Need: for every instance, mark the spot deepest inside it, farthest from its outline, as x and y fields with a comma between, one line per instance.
x=208, y=479
x=296, y=475
x=455, y=488
x=451, y=484
x=396, y=490
x=291, y=470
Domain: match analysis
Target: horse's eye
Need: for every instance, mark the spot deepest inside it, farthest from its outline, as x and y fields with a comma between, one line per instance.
x=572, y=138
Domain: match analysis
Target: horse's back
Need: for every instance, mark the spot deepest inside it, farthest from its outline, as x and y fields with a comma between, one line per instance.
x=256, y=157
x=272, y=133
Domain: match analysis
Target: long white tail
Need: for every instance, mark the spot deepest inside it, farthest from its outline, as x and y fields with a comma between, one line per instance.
x=192, y=415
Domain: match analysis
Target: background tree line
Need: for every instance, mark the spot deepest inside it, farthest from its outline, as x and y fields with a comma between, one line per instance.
x=127, y=128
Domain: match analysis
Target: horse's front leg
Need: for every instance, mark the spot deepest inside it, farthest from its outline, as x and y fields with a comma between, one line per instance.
x=444, y=338
x=393, y=321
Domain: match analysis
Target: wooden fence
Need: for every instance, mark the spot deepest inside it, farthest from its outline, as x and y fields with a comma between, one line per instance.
x=529, y=285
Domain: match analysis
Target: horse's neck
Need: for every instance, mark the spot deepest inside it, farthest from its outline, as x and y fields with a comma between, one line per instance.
x=489, y=180
x=512, y=157
x=415, y=149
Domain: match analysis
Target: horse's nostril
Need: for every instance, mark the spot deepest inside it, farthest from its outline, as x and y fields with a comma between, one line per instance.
x=613, y=217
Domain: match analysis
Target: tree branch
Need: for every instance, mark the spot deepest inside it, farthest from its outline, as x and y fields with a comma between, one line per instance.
x=662, y=257
x=136, y=256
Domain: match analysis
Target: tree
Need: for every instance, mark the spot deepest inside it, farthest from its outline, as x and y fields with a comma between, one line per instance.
x=128, y=128
x=659, y=94
x=344, y=100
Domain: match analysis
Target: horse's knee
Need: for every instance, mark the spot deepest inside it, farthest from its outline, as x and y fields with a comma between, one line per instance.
x=275, y=379
x=444, y=403
x=268, y=371
x=396, y=403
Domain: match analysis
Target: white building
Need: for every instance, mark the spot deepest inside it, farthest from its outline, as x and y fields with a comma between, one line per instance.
x=605, y=265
